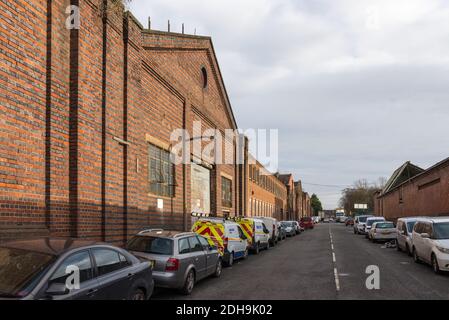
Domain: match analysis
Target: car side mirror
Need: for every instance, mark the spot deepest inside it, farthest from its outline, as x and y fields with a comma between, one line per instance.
x=57, y=289
x=425, y=235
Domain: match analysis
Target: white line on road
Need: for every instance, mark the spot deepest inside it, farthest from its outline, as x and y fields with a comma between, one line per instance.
x=334, y=260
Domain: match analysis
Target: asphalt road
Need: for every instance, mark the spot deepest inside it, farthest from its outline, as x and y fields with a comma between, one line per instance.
x=328, y=262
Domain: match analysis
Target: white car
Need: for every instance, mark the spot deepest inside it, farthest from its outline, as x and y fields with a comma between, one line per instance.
x=369, y=224
x=431, y=242
x=382, y=231
x=359, y=224
x=272, y=226
x=404, y=227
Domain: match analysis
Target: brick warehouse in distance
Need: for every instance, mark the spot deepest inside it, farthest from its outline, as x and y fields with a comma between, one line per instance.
x=86, y=118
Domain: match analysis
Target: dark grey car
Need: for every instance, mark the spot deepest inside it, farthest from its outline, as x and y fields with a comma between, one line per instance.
x=44, y=268
x=180, y=258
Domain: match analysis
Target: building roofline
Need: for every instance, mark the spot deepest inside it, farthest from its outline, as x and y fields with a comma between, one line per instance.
x=427, y=171
x=176, y=34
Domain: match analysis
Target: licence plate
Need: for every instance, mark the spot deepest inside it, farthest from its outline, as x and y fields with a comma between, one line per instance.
x=386, y=232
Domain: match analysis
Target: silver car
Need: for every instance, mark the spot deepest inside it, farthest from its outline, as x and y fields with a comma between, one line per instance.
x=382, y=231
x=405, y=233
x=180, y=259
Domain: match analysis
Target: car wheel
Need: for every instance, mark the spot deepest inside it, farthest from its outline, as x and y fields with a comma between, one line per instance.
x=257, y=249
x=407, y=248
x=218, y=269
x=189, y=283
x=138, y=294
x=231, y=259
x=415, y=256
x=435, y=266
x=268, y=245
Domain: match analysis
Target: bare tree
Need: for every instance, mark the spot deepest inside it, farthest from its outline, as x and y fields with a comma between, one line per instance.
x=362, y=192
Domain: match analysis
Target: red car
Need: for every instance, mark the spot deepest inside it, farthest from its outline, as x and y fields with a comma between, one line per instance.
x=306, y=223
x=349, y=222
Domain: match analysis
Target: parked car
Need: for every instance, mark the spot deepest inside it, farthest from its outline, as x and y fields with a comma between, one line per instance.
x=359, y=223
x=369, y=224
x=431, y=242
x=272, y=226
x=282, y=233
x=307, y=223
x=256, y=232
x=382, y=231
x=47, y=268
x=326, y=220
x=349, y=221
x=289, y=228
x=227, y=235
x=297, y=226
x=404, y=227
x=180, y=258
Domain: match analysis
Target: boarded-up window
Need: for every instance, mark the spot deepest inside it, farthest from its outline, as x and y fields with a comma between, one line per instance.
x=161, y=172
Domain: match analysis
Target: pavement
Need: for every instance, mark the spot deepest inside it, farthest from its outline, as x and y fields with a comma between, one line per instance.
x=328, y=262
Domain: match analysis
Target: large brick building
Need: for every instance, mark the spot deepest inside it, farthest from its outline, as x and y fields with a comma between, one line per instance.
x=267, y=195
x=86, y=118
x=413, y=191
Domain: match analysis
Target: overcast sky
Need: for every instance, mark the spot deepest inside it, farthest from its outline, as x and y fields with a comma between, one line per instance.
x=355, y=87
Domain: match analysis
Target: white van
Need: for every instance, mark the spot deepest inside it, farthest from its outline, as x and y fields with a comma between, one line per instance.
x=257, y=233
x=271, y=224
x=227, y=235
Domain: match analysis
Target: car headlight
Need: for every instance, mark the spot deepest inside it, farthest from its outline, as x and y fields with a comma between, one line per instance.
x=444, y=250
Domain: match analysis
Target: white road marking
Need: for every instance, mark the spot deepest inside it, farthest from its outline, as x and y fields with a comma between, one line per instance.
x=334, y=260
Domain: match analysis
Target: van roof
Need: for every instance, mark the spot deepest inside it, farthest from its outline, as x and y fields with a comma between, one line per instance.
x=434, y=219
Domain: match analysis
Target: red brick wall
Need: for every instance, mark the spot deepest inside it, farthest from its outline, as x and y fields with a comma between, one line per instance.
x=68, y=101
x=22, y=112
x=423, y=195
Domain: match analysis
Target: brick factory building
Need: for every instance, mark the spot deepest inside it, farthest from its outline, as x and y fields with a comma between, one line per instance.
x=86, y=118
x=267, y=195
x=413, y=191
x=287, y=180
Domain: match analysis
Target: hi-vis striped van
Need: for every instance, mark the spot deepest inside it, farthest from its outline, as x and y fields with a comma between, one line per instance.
x=227, y=235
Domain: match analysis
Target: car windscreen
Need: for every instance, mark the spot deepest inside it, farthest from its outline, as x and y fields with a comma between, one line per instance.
x=362, y=219
x=370, y=222
x=152, y=245
x=286, y=224
x=384, y=225
x=441, y=230
x=410, y=226
x=21, y=270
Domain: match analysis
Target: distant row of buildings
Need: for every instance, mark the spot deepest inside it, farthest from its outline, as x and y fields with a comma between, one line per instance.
x=86, y=120
x=276, y=195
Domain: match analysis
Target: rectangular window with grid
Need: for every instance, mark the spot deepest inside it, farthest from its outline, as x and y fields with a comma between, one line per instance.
x=161, y=172
x=226, y=192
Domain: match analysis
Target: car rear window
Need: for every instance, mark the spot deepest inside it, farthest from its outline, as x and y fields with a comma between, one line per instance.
x=384, y=225
x=370, y=222
x=152, y=245
x=21, y=270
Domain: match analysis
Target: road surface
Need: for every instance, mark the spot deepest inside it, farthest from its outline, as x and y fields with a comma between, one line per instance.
x=328, y=262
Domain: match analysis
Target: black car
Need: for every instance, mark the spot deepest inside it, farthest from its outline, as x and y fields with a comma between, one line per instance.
x=58, y=269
